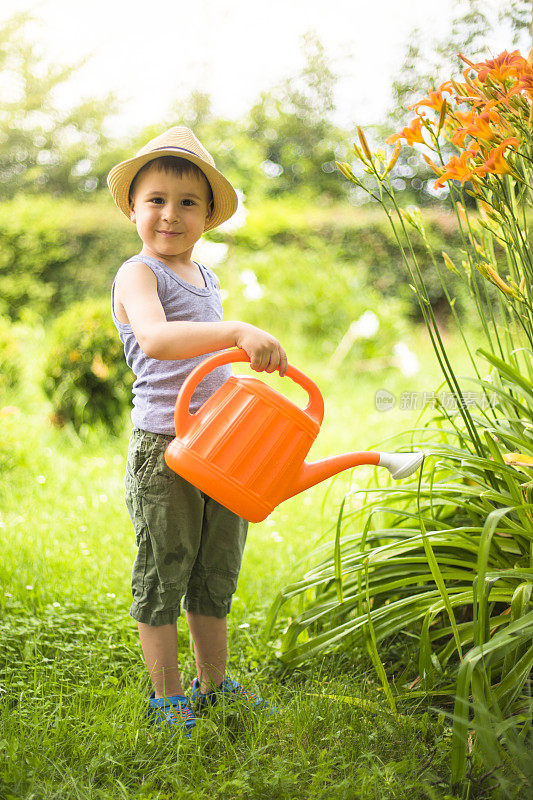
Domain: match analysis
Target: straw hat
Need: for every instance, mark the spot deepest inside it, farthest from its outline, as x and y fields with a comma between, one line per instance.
x=178, y=141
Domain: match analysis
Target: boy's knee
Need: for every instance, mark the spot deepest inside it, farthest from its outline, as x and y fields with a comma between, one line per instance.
x=156, y=605
x=210, y=593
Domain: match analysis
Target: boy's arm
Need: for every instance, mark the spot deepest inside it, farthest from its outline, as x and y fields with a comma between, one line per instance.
x=136, y=291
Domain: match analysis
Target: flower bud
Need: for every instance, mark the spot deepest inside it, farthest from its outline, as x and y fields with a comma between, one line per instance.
x=394, y=158
x=345, y=169
x=488, y=271
x=459, y=89
x=462, y=212
x=431, y=164
x=449, y=263
x=364, y=143
x=412, y=215
x=442, y=115
x=516, y=288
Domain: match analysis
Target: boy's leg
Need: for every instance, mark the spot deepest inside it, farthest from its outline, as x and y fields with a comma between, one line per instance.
x=167, y=514
x=210, y=641
x=212, y=583
x=160, y=647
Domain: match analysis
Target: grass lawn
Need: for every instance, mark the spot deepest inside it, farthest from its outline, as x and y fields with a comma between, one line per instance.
x=74, y=686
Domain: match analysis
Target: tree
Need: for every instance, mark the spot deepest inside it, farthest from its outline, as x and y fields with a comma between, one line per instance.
x=519, y=13
x=292, y=124
x=41, y=147
x=236, y=154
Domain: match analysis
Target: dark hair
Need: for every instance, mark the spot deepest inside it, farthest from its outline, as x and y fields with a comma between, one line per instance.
x=173, y=164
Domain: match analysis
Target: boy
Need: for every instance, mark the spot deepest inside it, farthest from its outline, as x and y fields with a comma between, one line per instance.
x=168, y=313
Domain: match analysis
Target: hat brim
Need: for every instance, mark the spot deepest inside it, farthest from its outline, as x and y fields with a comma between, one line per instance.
x=224, y=196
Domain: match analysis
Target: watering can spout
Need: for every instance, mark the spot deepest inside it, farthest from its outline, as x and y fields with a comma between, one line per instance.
x=400, y=465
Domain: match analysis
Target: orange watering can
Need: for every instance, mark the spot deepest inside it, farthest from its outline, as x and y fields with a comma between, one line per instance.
x=246, y=446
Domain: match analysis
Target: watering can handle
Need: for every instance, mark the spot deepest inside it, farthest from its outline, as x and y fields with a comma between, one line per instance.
x=314, y=409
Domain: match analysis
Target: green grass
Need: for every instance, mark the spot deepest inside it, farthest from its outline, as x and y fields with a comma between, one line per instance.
x=72, y=717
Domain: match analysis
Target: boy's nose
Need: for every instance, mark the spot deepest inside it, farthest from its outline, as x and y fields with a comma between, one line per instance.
x=170, y=214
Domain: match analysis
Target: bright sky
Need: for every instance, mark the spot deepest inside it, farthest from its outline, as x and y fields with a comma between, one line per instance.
x=154, y=53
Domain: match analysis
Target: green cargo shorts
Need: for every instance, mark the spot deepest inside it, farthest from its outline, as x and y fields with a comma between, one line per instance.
x=188, y=545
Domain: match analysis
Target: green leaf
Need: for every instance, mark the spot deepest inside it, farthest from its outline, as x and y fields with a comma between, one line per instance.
x=370, y=639
x=337, y=553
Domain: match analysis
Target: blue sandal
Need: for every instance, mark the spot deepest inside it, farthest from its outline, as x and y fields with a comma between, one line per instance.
x=172, y=712
x=229, y=691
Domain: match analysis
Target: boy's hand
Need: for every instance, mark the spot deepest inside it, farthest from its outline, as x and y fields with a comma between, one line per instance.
x=264, y=351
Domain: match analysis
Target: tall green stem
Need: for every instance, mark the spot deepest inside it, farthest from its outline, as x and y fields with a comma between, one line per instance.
x=434, y=333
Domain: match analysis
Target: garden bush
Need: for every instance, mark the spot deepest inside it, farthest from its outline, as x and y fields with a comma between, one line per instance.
x=309, y=297
x=52, y=252
x=362, y=239
x=85, y=375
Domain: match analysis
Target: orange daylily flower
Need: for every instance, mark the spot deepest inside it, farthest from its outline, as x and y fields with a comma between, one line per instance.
x=474, y=147
x=456, y=169
x=524, y=84
x=492, y=111
x=463, y=120
x=477, y=124
x=496, y=163
x=434, y=100
x=459, y=137
x=412, y=133
x=447, y=86
x=459, y=119
x=499, y=69
x=480, y=128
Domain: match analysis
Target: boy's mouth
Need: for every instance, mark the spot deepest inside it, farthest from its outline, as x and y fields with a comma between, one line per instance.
x=169, y=233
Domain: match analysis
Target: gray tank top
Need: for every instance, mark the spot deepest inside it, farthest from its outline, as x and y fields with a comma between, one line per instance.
x=157, y=382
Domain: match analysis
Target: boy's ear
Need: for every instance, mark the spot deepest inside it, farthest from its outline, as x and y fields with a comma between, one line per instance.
x=132, y=211
x=210, y=209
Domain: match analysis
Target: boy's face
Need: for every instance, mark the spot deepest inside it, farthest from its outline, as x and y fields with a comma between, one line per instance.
x=170, y=213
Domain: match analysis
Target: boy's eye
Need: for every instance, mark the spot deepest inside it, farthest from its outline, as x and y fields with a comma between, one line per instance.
x=157, y=200
x=187, y=202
